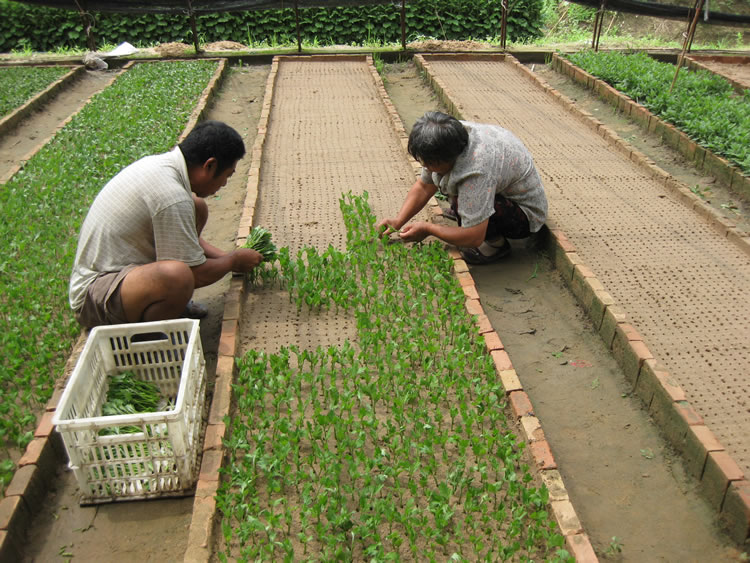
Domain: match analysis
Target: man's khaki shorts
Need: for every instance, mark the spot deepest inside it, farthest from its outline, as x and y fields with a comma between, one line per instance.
x=103, y=304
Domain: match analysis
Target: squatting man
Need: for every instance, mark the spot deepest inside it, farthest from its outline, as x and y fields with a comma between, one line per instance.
x=487, y=175
x=140, y=252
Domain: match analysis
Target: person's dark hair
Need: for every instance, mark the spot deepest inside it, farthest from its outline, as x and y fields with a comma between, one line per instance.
x=437, y=137
x=212, y=139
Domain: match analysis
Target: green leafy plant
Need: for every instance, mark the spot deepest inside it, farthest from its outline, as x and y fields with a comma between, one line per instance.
x=19, y=84
x=702, y=104
x=391, y=446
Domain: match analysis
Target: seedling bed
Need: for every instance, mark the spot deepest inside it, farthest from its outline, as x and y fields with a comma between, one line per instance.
x=20, y=84
x=394, y=445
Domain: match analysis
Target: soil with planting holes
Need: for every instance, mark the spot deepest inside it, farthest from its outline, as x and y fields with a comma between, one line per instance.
x=630, y=491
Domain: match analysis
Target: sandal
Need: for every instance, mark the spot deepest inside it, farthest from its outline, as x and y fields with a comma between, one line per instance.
x=195, y=310
x=476, y=258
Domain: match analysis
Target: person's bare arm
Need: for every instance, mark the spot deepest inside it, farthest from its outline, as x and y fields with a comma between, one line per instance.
x=470, y=237
x=213, y=269
x=418, y=196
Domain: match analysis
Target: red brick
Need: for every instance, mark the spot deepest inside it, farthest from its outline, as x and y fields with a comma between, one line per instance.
x=45, y=426
x=521, y=404
x=510, y=381
x=459, y=266
x=634, y=356
x=29, y=484
x=225, y=366
x=465, y=278
x=40, y=452
x=542, y=454
x=228, y=339
x=698, y=443
x=55, y=399
x=580, y=548
x=471, y=291
x=601, y=300
x=720, y=471
x=214, y=438
x=200, y=536
x=492, y=341
x=614, y=316
x=502, y=360
x=562, y=241
x=483, y=324
x=212, y=461
x=474, y=307
x=566, y=517
x=735, y=513
x=14, y=515
x=221, y=401
x=554, y=483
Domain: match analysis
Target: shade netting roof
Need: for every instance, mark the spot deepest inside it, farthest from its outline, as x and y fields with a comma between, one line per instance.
x=677, y=9
x=196, y=6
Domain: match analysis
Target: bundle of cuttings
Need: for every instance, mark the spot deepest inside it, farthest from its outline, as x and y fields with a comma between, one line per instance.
x=129, y=395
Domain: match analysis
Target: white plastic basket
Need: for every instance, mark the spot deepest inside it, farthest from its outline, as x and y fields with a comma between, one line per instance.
x=161, y=459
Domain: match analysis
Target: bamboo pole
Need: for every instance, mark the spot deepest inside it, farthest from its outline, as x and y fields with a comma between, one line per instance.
x=87, y=25
x=403, y=25
x=194, y=28
x=504, y=24
x=688, y=41
x=296, y=20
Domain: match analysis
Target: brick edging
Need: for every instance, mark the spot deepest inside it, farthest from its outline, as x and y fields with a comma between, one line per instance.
x=704, y=159
x=693, y=62
x=38, y=465
x=12, y=119
x=721, y=480
x=576, y=539
x=204, y=519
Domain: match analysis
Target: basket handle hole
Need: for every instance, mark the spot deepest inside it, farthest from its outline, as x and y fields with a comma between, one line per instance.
x=148, y=337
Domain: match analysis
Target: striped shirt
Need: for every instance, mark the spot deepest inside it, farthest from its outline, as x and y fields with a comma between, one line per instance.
x=142, y=215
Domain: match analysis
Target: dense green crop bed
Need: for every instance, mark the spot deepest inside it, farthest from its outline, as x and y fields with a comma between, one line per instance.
x=702, y=104
x=392, y=447
x=43, y=205
x=19, y=84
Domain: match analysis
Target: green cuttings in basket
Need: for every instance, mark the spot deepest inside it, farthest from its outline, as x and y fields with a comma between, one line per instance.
x=129, y=395
x=259, y=239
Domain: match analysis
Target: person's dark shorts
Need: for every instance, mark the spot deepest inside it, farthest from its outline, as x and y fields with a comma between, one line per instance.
x=103, y=304
x=509, y=220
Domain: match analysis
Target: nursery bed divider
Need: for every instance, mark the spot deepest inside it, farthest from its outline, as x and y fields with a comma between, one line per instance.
x=12, y=119
x=696, y=62
x=204, y=522
x=703, y=158
x=721, y=480
x=37, y=467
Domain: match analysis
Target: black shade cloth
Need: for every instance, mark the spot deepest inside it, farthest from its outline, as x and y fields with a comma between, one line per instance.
x=669, y=11
x=196, y=6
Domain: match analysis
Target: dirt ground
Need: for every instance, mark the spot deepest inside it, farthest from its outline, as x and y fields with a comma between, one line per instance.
x=629, y=490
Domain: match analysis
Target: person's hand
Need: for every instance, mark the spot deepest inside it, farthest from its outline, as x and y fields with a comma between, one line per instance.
x=245, y=259
x=415, y=232
x=386, y=227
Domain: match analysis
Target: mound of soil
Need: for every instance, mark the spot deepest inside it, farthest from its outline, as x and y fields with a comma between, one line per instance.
x=172, y=49
x=224, y=46
x=436, y=45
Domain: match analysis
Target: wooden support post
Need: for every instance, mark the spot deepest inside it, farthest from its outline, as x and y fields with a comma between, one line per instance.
x=688, y=41
x=88, y=25
x=194, y=28
x=403, y=25
x=598, y=24
x=503, y=24
x=296, y=20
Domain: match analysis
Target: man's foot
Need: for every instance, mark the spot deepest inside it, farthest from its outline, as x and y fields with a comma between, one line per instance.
x=484, y=254
x=195, y=310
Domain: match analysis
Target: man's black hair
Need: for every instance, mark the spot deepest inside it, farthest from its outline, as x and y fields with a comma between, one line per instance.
x=437, y=138
x=212, y=139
